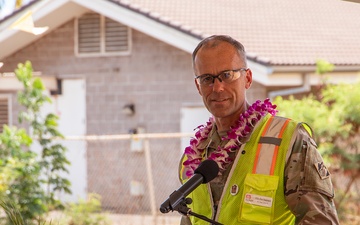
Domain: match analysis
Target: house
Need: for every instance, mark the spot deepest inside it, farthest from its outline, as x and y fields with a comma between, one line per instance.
x=124, y=66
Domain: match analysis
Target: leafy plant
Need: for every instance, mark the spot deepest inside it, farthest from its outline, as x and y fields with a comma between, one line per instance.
x=12, y=213
x=20, y=171
x=53, y=160
x=23, y=174
x=333, y=113
x=86, y=212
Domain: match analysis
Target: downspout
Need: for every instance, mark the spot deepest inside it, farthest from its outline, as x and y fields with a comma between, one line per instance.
x=306, y=87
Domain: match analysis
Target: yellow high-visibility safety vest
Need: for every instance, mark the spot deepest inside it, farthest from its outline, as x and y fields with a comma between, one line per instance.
x=254, y=190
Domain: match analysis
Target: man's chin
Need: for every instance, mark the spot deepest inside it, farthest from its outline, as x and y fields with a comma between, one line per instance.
x=222, y=114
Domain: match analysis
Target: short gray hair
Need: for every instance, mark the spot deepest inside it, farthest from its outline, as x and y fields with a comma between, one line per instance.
x=214, y=40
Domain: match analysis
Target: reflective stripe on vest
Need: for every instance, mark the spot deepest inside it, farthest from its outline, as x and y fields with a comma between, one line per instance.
x=268, y=146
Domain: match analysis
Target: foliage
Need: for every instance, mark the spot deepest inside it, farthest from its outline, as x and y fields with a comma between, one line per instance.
x=12, y=213
x=323, y=66
x=333, y=113
x=335, y=120
x=23, y=174
x=20, y=171
x=86, y=212
x=53, y=160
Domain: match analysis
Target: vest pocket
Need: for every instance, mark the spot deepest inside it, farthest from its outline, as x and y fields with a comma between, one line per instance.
x=258, y=199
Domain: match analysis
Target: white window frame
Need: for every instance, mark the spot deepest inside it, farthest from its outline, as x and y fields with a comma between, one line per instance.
x=102, y=41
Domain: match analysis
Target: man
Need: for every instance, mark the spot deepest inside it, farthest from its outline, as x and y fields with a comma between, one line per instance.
x=270, y=169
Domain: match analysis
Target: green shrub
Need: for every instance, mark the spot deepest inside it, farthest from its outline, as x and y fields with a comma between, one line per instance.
x=86, y=212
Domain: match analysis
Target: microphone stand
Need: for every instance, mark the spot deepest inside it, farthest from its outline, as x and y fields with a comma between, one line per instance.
x=183, y=209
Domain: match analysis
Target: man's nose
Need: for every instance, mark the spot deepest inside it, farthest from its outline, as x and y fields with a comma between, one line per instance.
x=218, y=84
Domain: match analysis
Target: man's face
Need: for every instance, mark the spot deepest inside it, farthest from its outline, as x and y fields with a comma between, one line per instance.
x=223, y=100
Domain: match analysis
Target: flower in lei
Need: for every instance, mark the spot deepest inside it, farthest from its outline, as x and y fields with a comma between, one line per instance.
x=241, y=129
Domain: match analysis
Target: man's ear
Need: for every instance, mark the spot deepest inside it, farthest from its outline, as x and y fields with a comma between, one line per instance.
x=248, y=79
x=198, y=87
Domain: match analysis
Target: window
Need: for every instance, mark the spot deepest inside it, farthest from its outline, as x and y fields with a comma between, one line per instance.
x=4, y=112
x=98, y=35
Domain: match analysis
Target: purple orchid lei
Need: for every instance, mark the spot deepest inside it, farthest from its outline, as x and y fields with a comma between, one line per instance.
x=241, y=129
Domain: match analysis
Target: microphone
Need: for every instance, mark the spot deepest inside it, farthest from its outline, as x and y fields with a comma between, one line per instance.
x=206, y=171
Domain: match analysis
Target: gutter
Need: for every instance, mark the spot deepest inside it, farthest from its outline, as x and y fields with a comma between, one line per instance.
x=312, y=68
x=306, y=87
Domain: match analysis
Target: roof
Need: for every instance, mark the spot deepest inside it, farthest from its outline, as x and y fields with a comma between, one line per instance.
x=277, y=32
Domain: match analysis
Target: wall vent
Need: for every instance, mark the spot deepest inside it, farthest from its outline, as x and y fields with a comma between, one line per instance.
x=99, y=35
x=4, y=112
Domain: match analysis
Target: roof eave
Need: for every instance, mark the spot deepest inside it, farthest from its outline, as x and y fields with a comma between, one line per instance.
x=44, y=13
x=55, y=13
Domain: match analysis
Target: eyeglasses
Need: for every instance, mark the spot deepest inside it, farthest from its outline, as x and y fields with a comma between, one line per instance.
x=227, y=76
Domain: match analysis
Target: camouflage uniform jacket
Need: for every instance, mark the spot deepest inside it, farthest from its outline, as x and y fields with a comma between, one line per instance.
x=308, y=188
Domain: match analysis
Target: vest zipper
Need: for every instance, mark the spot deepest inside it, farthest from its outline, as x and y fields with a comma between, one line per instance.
x=213, y=211
x=216, y=216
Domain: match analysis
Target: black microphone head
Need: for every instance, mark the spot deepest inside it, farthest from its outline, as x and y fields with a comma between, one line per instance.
x=209, y=169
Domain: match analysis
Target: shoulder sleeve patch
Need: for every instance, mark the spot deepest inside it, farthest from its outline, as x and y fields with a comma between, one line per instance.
x=316, y=176
x=322, y=170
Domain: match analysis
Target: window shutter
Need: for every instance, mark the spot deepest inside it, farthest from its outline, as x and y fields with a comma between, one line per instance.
x=4, y=112
x=89, y=33
x=116, y=36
